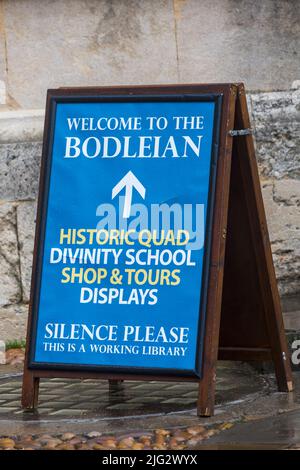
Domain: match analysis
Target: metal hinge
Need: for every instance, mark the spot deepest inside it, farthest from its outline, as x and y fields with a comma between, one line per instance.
x=238, y=132
x=284, y=356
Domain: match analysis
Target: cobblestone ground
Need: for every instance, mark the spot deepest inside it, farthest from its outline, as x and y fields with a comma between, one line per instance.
x=90, y=414
x=160, y=439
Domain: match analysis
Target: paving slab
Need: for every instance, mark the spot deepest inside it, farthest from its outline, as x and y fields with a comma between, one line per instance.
x=150, y=398
x=278, y=432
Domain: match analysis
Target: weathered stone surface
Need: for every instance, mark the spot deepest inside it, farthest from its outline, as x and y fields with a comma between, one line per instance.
x=246, y=40
x=99, y=42
x=287, y=192
x=2, y=92
x=87, y=42
x=26, y=229
x=13, y=322
x=10, y=291
x=2, y=58
x=282, y=202
x=277, y=132
x=19, y=170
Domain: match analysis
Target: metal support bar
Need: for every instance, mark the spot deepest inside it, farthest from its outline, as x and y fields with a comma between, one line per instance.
x=238, y=132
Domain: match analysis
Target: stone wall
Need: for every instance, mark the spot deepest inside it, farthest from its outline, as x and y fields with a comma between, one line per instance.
x=275, y=119
x=51, y=43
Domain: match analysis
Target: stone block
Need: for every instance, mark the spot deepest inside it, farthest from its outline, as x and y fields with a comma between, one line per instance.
x=277, y=133
x=10, y=290
x=19, y=170
x=282, y=200
x=26, y=212
x=21, y=125
x=87, y=42
x=13, y=322
x=3, y=58
x=2, y=92
x=246, y=40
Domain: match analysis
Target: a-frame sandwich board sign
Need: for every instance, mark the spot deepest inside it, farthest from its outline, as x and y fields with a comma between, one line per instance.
x=119, y=301
x=246, y=320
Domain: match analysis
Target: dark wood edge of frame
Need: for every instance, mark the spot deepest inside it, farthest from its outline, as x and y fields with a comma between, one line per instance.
x=144, y=89
x=31, y=376
x=206, y=397
x=30, y=383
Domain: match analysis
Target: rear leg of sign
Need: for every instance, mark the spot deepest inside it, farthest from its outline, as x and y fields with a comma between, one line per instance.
x=248, y=325
x=251, y=326
x=30, y=391
x=262, y=248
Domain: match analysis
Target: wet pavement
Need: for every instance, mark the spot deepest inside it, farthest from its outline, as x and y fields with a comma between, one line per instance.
x=249, y=413
x=70, y=399
x=278, y=432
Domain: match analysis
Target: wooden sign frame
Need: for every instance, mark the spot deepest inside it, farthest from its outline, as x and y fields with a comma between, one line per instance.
x=243, y=312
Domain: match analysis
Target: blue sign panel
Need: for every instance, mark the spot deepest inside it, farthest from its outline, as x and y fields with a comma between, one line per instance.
x=125, y=235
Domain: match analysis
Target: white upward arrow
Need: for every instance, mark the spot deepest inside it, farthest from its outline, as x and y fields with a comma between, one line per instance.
x=128, y=182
